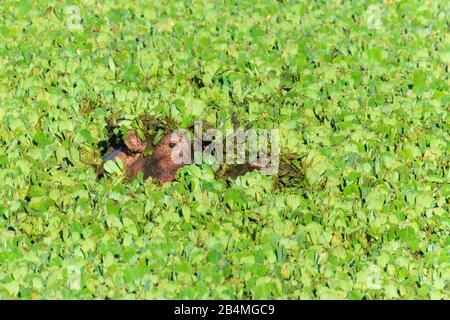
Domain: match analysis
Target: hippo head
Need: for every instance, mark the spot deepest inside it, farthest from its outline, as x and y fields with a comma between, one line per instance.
x=170, y=154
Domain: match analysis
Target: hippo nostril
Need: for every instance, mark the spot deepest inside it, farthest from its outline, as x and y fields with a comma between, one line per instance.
x=180, y=154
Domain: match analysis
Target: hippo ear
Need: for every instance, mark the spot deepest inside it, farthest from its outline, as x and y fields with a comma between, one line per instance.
x=134, y=143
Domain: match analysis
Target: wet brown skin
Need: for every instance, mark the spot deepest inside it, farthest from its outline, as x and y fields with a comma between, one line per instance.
x=132, y=154
x=170, y=154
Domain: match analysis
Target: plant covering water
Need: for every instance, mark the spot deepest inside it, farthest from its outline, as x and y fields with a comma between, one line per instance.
x=361, y=99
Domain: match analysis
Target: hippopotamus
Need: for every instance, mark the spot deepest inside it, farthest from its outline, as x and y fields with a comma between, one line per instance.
x=171, y=153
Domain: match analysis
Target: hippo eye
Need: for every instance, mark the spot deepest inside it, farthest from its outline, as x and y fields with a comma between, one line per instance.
x=171, y=145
